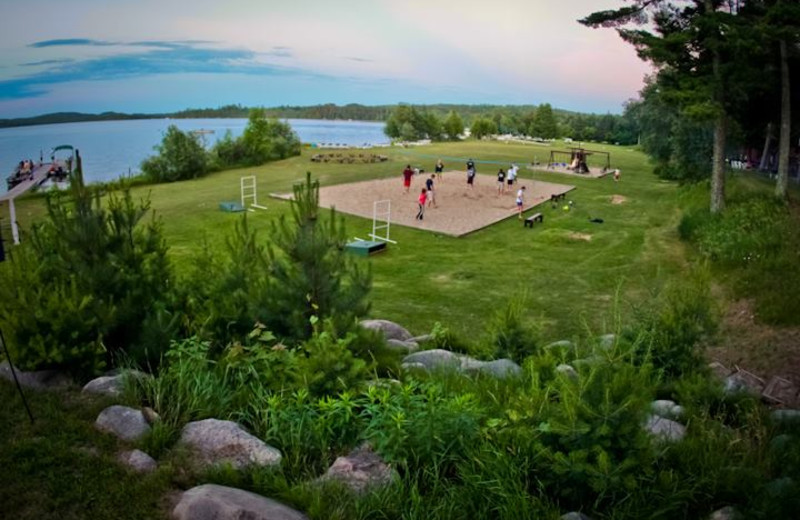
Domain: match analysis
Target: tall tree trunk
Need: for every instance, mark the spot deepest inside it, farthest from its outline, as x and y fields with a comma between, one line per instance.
x=720, y=129
x=762, y=164
x=782, y=185
x=718, y=164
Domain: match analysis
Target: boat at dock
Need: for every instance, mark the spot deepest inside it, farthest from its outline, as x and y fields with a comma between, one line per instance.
x=28, y=175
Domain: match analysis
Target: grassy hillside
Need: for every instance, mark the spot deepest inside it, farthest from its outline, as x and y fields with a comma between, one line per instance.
x=569, y=268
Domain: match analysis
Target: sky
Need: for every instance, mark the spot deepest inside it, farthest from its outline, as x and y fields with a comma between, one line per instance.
x=167, y=55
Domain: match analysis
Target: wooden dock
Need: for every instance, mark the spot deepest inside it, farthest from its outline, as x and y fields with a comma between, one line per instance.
x=39, y=176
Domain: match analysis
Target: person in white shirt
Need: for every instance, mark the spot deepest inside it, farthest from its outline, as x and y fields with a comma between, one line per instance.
x=520, y=200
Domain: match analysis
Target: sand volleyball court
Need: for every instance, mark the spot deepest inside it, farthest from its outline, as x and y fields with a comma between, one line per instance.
x=459, y=210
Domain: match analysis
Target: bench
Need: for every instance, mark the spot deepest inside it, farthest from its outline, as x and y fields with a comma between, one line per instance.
x=536, y=217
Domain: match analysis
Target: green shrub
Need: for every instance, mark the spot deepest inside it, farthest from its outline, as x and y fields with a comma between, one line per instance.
x=668, y=332
x=180, y=156
x=86, y=288
x=267, y=139
x=226, y=294
x=509, y=334
x=329, y=365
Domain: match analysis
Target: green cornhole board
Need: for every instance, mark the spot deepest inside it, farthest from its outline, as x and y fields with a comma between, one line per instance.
x=231, y=207
x=365, y=247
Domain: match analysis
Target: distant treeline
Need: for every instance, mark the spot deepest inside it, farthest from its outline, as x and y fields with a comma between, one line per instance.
x=74, y=117
x=327, y=111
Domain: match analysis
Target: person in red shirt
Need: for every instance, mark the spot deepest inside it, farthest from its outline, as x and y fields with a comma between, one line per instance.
x=423, y=197
x=407, y=174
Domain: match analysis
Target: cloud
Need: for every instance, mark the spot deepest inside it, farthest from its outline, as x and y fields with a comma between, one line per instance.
x=279, y=51
x=70, y=42
x=356, y=58
x=164, y=57
x=47, y=62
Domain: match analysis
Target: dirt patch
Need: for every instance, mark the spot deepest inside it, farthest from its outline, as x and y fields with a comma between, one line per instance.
x=579, y=236
x=459, y=209
x=618, y=199
x=764, y=350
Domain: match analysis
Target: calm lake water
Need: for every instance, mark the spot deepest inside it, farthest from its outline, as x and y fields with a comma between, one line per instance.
x=111, y=149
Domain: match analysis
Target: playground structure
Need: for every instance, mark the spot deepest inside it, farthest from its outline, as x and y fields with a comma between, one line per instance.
x=575, y=160
x=249, y=191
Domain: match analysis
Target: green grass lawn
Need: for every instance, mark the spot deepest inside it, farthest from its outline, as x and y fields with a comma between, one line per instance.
x=570, y=282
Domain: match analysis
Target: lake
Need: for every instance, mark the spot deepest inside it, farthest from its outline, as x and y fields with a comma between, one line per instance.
x=111, y=149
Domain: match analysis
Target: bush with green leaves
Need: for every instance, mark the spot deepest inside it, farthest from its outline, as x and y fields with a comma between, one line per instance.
x=670, y=331
x=180, y=156
x=90, y=286
x=266, y=140
x=509, y=334
x=227, y=293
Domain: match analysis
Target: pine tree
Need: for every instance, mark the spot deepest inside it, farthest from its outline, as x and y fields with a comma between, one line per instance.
x=311, y=274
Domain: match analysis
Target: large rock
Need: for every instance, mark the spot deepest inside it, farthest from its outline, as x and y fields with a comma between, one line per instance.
x=434, y=359
x=726, y=513
x=560, y=348
x=126, y=423
x=574, y=515
x=138, y=461
x=111, y=385
x=667, y=409
x=39, y=379
x=390, y=329
x=568, y=371
x=224, y=442
x=213, y=502
x=664, y=429
x=743, y=381
x=361, y=470
x=500, y=368
x=606, y=341
x=404, y=347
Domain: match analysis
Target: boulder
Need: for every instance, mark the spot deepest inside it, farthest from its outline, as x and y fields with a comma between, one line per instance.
x=422, y=339
x=110, y=385
x=433, y=359
x=150, y=415
x=126, y=423
x=138, y=461
x=213, y=502
x=361, y=470
x=606, y=341
x=567, y=371
x=664, y=429
x=404, y=347
x=562, y=347
x=38, y=379
x=214, y=442
x=390, y=329
x=500, y=368
x=726, y=513
x=743, y=381
x=666, y=409
x=574, y=515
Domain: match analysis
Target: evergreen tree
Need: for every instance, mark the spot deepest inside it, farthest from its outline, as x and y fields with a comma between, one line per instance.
x=311, y=272
x=693, y=46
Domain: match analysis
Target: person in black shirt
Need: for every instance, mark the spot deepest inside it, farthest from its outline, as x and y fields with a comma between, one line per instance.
x=470, y=173
x=429, y=187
